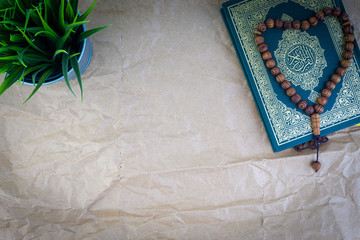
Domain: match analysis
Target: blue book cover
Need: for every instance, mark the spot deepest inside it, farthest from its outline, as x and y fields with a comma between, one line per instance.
x=307, y=58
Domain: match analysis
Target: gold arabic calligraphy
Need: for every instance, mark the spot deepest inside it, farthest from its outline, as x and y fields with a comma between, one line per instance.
x=300, y=58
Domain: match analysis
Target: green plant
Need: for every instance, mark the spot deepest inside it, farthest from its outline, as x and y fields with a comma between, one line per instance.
x=39, y=38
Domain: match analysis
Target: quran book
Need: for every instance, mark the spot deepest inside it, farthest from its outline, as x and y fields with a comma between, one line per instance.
x=307, y=58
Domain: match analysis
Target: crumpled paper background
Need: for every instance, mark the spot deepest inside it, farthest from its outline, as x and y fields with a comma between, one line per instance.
x=168, y=143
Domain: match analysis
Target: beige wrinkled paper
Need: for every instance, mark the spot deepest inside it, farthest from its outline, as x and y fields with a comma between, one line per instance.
x=168, y=143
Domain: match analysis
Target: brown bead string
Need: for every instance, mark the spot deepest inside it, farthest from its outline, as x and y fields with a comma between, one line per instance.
x=330, y=85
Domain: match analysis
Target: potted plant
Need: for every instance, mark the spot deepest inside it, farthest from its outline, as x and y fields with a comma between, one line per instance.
x=43, y=41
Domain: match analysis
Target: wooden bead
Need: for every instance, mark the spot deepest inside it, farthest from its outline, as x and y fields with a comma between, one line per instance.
x=311, y=144
x=257, y=32
x=316, y=165
x=320, y=15
x=349, y=46
x=336, y=12
x=330, y=85
x=279, y=23
x=280, y=77
x=270, y=23
x=262, y=27
x=344, y=17
x=326, y=93
x=344, y=24
x=290, y=91
x=299, y=147
x=341, y=71
x=349, y=37
x=309, y=110
x=313, y=21
x=345, y=63
x=266, y=55
x=270, y=63
x=285, y=84
x=275, y=71
x=318, y=108
x=348, y=29
x=302, y=104
x=336, y=78
x=287, y=25
x=315, y=124
x=322, y=101
x=305, y=25
x=263, y=47
x=296, y=98
x=327, y=11
x=296, y=24
x=259, y=40
x=348, y=55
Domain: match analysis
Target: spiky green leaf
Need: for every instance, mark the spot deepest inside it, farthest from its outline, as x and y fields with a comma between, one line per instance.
x=75, y=65
x=43, y=78
x=31, y=43
x=11, y=78
x=87, y=12
x=65, y=66
x=90, y=32
x=69, y=12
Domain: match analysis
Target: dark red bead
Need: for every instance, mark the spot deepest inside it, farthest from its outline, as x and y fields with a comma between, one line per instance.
x=344, y=24
x=270, y=63
x=287, y=25
x=296, y=98
x=263, y=47
x=348, y=55
x=316, y=165
x=349, y=37
x=280, y=77
x=275, y=71
x=266, y=55
x=305, y=25
x=336, y=78
x=318, y=108
x=320, y=15
x=345, y=63
x=336, y=12
x=348, y=29
x=285, y=84
x=259, y=40
x=296, y=24
x=341, y=71
x=302, y=104
x=262, y=27
x=345, y=17
x=322, y=100
x=309, y=110
x=290, y=91
x=349, y=46
x=270, y=23
x=327, y=11
x=279, y=23
x=326, y=92
x=330, y=85
x=313, y=21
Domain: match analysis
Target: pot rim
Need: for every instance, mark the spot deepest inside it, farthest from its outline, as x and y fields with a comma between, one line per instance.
x=60, y=76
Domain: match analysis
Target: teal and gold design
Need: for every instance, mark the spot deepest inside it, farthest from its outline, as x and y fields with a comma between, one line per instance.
x=300, y=54
x=286, y=17
x=315, y=5
x=301, y=58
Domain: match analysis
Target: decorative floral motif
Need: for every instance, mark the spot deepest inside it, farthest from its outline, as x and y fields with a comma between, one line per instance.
x=301, y=58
